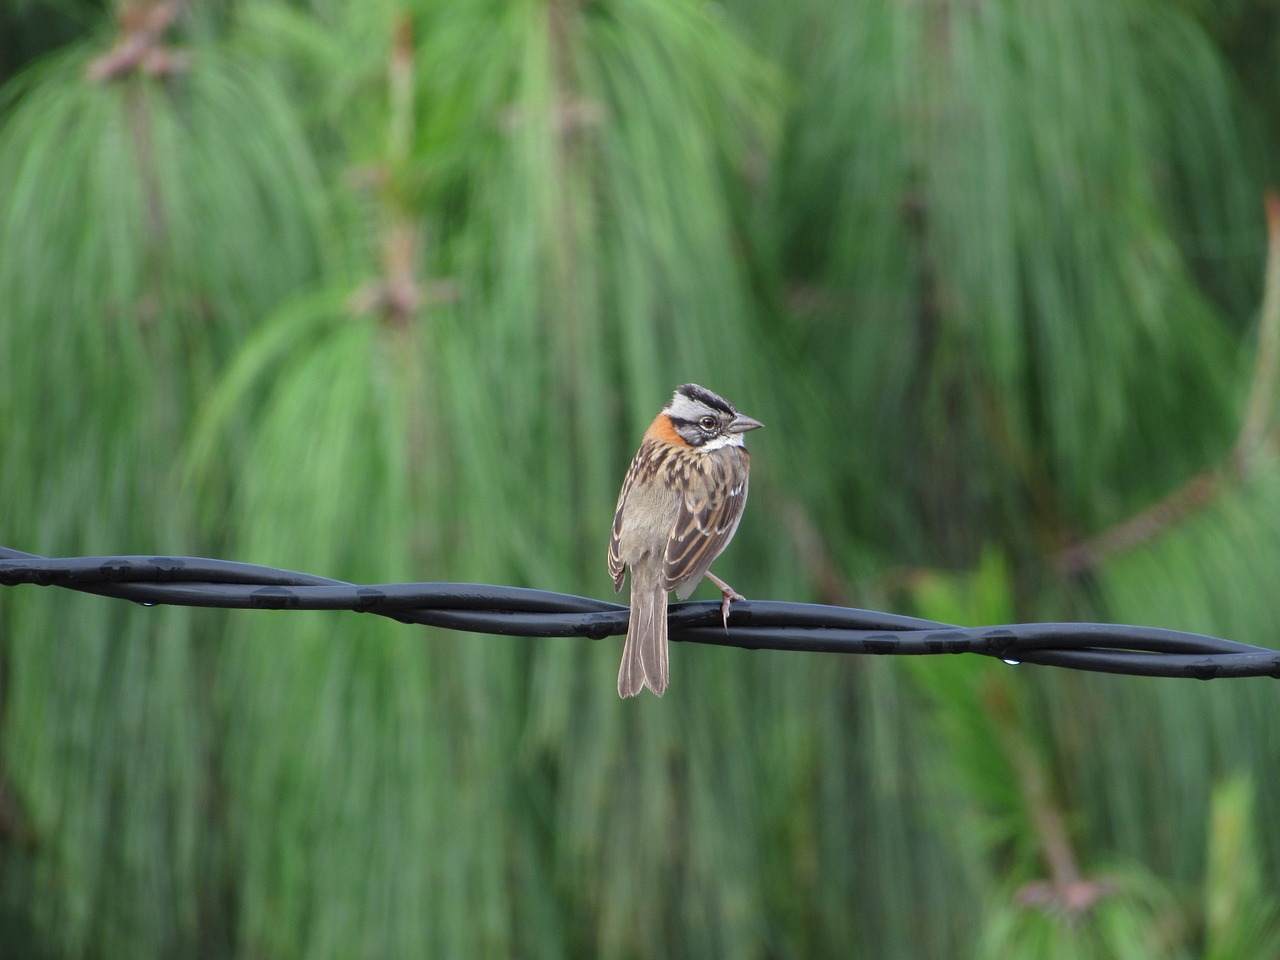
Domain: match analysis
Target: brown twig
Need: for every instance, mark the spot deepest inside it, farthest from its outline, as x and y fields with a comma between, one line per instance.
x=138, y=49
x=398, y=293
x=1066, y=891
x=1147, y=525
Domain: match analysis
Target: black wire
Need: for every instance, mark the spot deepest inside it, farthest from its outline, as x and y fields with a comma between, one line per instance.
x=753, y=624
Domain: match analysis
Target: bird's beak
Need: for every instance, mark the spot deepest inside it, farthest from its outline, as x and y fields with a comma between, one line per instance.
x=741, y=424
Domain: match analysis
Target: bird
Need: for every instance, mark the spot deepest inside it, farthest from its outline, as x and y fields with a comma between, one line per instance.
x=680, y=505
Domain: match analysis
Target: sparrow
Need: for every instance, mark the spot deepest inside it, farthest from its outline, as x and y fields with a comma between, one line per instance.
x=679, y=508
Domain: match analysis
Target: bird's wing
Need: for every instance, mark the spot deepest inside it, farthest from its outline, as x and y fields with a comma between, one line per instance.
x=617, y=569
x=714, y=498
x=617, y=566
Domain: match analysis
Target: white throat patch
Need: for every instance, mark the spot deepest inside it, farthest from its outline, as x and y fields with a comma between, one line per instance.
x=727, y=440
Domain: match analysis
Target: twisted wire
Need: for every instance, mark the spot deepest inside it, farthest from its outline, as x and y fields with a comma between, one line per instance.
x=753, y=624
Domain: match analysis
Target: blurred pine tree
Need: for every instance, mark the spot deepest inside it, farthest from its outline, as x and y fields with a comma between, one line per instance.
x=388, y=290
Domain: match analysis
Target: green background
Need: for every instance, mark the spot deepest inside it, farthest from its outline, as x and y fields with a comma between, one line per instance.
x=388, y=291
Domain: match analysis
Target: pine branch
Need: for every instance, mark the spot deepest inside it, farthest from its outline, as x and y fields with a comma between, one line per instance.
x=1257, y=437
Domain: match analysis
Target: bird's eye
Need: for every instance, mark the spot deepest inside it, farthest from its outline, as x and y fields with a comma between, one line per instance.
x=708, y=423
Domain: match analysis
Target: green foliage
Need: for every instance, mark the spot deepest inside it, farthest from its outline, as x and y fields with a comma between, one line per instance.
x=142, y=225
x=1123, y=927
x=389, y=290
x=1240, y=913
x=1035, y=331
x=973, y=701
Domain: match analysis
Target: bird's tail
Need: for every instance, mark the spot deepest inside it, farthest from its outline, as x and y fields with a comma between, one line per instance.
x=644, y=657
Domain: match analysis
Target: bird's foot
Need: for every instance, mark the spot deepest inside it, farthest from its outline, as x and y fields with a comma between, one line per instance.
x=727, y=596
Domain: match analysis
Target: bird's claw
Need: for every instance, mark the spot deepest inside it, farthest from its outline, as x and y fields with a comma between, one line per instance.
x=727, y=596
